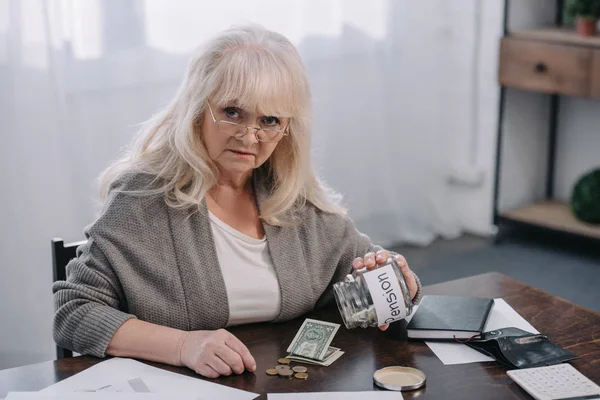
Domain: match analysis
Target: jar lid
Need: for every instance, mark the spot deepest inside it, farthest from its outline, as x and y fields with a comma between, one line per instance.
x=399, y=378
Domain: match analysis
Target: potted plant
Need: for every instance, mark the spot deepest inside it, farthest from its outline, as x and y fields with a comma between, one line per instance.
x=585, y=14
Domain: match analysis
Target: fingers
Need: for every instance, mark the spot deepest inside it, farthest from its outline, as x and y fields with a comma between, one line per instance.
x=219, y=366
x=231, y=358
x=382, y=256
x=207, y=371
x=214, y=353
x=384, y=327
x=358, y=263
x=402, y=263
x=408, y=274
x=236, y=345
x=370, y=260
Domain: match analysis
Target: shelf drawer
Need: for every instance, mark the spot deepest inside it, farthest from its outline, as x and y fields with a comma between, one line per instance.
x=596, y=75
x=545, y=67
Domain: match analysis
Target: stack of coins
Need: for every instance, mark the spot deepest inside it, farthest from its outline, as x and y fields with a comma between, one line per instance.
x=300, y=372
x=284, y=370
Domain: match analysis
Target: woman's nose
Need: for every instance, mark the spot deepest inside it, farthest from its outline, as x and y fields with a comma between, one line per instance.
x=250, y=138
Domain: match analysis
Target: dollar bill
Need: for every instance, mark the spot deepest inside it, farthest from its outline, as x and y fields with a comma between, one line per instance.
x=333, y=353
x=313, y=339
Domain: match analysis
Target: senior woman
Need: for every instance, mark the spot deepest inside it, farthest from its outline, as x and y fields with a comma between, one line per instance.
x=214, y=218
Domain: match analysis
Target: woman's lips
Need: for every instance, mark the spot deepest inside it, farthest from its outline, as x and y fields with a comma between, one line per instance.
x=242, y=154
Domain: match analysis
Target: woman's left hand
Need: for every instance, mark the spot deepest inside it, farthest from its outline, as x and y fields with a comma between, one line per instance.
x=372, y=260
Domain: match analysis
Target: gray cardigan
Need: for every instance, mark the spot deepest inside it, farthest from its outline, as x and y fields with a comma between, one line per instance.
x=146, y=260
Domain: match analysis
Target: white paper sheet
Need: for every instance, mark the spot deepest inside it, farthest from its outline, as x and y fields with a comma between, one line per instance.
x=96, y=396
x=501, y=316
x=378, y=395
x=116, y=371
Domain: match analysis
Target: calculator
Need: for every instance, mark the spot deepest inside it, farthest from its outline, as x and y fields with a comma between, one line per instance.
x=555, y=382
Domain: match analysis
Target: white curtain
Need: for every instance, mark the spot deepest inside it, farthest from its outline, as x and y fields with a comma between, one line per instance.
x=388, y=78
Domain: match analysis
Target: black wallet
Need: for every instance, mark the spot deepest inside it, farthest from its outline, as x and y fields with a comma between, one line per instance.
x=517, y=348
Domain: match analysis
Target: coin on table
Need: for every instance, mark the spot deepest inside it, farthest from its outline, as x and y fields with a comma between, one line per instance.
x=282, y=368
x=286, y=373
x=301, y=375
x=299, y=369
x=272, y=371
x=285, y=361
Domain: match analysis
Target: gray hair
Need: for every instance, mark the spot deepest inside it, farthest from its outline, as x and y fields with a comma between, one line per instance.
x=260, y=70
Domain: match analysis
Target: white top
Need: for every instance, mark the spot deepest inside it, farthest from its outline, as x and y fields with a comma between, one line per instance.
x=252, y=286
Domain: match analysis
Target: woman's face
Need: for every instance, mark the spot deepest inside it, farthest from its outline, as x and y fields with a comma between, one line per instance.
x=238, y=156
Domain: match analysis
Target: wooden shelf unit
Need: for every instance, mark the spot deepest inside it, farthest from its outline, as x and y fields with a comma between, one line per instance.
x=557, y=62
x=559, y=36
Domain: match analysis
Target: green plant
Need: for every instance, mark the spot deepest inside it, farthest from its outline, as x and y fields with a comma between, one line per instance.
x=585, y=200
x=583, y=9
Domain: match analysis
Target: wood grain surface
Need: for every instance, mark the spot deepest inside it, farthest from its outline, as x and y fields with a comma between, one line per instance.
x=569, y=325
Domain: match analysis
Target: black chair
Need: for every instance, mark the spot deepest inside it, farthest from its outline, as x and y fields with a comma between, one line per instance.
x=61, y=255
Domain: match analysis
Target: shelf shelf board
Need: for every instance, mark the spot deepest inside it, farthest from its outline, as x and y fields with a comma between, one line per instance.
x=558, y=35
x=554, y=215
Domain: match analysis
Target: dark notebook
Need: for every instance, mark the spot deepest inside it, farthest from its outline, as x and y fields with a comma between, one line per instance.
x=449, y=317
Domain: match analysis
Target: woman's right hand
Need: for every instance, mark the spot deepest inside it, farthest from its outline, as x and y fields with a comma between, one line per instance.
x=215, y=353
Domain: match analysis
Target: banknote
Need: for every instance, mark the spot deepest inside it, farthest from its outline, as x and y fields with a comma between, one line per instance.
x=313, y=339
x=333, y=353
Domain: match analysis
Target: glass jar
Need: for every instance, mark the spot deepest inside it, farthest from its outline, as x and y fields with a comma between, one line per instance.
x=373, y=297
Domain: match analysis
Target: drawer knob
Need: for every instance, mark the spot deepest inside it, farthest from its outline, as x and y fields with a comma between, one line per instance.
x=541, y=67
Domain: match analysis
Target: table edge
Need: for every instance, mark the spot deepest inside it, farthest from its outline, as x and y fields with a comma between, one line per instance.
x=496, y=275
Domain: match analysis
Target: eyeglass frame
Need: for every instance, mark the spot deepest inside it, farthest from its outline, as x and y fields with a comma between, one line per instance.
x=246, y=128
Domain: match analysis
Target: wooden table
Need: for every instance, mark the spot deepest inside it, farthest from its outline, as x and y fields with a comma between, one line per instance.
x=569, y=325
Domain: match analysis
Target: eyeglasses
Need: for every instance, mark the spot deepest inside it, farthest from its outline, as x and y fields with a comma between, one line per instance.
x=238, y=131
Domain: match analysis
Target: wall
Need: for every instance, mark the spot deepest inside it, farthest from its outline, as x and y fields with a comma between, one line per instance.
x=578, y=148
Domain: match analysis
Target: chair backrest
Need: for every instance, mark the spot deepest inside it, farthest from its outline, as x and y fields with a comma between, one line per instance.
x=61, y=255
